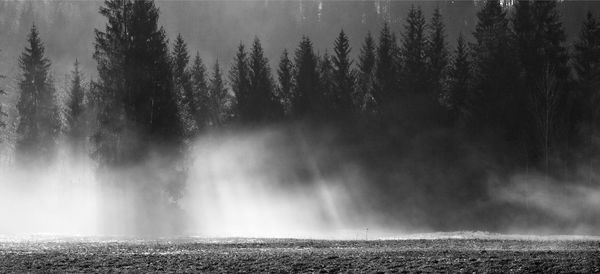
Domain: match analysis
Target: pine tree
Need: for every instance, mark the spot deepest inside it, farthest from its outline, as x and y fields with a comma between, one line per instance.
x=200, y=93
x=540, y=38
x=586, y=67
x=263, y=104
x=327, y=87
x=240, y=82
x=586, y=64
x=437, y=53
x=495, y=72
x=285, y=75
x=386, y=68
x=219, y=99
x=39, y=123
x=138, y=110
x=459, y=78
x=414, y=68
x=366, y=75
x=183, y=86
x=307, y=100
x=344, y=80
x=76, y=107
x=2, y=113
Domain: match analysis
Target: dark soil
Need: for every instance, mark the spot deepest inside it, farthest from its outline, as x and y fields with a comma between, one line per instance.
x=257, y=255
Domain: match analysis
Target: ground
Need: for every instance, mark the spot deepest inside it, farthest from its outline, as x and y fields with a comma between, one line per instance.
x=481, y=255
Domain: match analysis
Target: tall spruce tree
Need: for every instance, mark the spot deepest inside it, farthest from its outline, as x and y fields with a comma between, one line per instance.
x=437, y=53
x=138, y=110
x=2, y=113
x=459, y=82
x=182, y=85
x=285, y=75
x=344, y=78
x=386, y=68
x=240, y=82
x=327, y=87
x=38, y=112
x=307, y=99
x=495, y=72
x=540, y=38
x=219, y=99
x=413, y=74
x=586, y=67
x=263, y=104
x=76, y=129
x=200, y=93
x=366, y=75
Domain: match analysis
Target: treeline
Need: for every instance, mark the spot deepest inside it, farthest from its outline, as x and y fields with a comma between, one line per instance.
x=515, y=83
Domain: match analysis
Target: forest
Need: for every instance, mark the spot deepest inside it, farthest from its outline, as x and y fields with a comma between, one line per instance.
x=425, y=117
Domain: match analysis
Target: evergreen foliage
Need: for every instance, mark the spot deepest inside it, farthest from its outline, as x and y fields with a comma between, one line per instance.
x=38, y=112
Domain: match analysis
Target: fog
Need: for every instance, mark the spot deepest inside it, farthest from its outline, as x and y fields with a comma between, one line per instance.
x=283, y=182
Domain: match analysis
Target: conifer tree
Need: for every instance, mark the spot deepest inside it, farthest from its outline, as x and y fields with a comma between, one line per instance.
x=285, y=75
x=540, y=38
x=586, y=64
x=344, y=79
x=459, y=78
x=183, y=86
x=414, y=67
x=327, y=87
x=307, y=100
x=586, y=68
x=219, y=99
x=495, y=72
x=437, y=53
x=366, y=75
x=386, y=67
x=240, y=82
x=76, y=107
x=39, y=123
x=263, y=104
x=200, y=93
x=2, y=113
x=138, y=112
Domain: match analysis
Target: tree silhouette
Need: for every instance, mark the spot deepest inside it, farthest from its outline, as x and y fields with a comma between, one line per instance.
x=199, y=100
x=494, y=72
x=459, y=78
x=240, y=83
x=182, y=86
x=386, y=67
x=307, y=99
x=138, y=109
x=219, y=100
x=344, y=79
x=2, y=113
x=39, y=123
x=586, y=68
x=328, y=102
x=414, y=66
x=285, y=75
x=586, y=65
x=263, y=105
x=539, y=38
x=366, y=75
x=76, y=109
x=437, y=54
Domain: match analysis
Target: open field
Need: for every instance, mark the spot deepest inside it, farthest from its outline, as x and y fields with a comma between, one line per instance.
x=449, y=254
